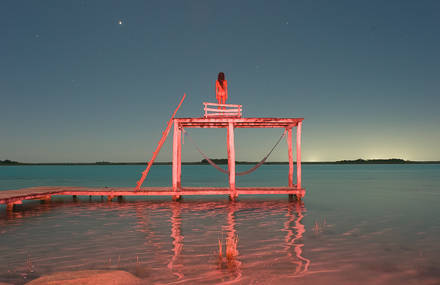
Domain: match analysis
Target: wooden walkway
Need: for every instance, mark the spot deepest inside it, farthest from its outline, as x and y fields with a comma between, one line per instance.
x=14, y=197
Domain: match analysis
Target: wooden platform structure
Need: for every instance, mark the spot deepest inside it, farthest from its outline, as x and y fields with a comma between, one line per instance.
x=10, y=198
x=230, y=123
x=226, y=116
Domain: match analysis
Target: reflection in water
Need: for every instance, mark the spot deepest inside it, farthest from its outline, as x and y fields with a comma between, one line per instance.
x=176, y=234
x=150, y=239
x=231, y=260
x=292, y=240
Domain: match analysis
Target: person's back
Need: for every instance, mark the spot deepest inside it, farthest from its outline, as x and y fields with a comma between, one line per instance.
x=221, y=89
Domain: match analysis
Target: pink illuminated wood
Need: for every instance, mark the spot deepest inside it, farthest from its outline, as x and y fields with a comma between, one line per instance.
x=298, y=155
x=238, y=122
x=179, y=158
x=231, y=158
x=33, y=193
x=290, y=154
x=175, y=154
x=222, y=110
x=178, y=162
x=159, y=146
x=227, y=122
x=13, y=196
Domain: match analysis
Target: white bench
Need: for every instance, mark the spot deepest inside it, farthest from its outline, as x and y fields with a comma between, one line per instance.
x=222, y=110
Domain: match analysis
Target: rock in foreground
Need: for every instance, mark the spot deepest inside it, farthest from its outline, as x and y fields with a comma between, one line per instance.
x=88, y=277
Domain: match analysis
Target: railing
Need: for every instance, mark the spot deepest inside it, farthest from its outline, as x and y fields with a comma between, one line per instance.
x=222, y=110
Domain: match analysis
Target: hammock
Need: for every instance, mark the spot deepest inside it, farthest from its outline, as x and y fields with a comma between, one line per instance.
x=252, y=169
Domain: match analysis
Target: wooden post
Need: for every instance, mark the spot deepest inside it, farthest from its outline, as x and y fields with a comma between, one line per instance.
x=179, y=159
x=11, y=206
x=45, y=199
x=298, y=155
x=175, y=151
x=290, y=152
x=159, y=146
x=231, y=159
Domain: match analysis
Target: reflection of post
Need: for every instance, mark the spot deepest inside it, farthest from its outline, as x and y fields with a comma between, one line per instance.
x=176, y=234
x=231, y=222
x=231, y=243
x=301, y=262
x=289, y=239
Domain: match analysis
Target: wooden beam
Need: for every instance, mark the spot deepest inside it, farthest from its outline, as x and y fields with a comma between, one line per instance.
x=175, y=154
x=231, y=159
x=159, y=146
x=290, y=153
x=222, y=122
x=298, y=155
x=179, y=158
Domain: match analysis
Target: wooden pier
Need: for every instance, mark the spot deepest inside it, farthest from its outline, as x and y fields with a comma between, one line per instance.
x=44, y=193
x=215, y=116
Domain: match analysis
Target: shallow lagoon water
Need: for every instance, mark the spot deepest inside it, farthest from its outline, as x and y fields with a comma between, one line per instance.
x=358, y=224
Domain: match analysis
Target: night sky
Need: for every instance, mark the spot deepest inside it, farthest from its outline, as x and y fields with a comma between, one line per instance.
x=86, y=81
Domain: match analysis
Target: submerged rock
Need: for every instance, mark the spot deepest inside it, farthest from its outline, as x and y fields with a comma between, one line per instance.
x=86, y=277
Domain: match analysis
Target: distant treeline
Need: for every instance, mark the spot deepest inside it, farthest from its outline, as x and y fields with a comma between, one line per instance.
x=8, y=162
x=374, y=161
x=225, y=161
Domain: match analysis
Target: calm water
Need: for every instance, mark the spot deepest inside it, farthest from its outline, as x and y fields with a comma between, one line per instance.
x=358, y=224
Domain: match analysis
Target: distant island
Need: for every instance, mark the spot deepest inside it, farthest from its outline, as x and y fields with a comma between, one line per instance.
x=375, y=161
x=7, y=162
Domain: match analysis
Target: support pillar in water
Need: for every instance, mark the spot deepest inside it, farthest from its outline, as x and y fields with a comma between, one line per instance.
x=231, y=160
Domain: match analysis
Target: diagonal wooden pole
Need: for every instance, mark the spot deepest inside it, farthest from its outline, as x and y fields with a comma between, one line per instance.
x=161, y=142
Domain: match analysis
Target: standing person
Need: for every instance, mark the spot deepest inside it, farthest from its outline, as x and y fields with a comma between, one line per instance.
x=221, y=89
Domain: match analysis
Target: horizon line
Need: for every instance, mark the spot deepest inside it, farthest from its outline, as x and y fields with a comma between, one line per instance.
x=353, y=161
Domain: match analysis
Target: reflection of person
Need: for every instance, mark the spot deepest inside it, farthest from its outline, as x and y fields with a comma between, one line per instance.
x=221, y=89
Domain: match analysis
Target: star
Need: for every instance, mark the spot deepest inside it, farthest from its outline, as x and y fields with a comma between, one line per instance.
x=120, y=22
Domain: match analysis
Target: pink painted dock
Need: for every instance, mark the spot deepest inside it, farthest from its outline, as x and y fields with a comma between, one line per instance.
x=216, y=116
x=45, y=193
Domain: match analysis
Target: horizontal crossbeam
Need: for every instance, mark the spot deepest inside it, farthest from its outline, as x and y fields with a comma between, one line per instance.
x=238, y=122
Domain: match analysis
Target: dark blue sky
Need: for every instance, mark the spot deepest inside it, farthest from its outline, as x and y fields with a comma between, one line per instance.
x=75, y=85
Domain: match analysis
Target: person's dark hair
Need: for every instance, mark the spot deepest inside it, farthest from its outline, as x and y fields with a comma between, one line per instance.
x=220, y=78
